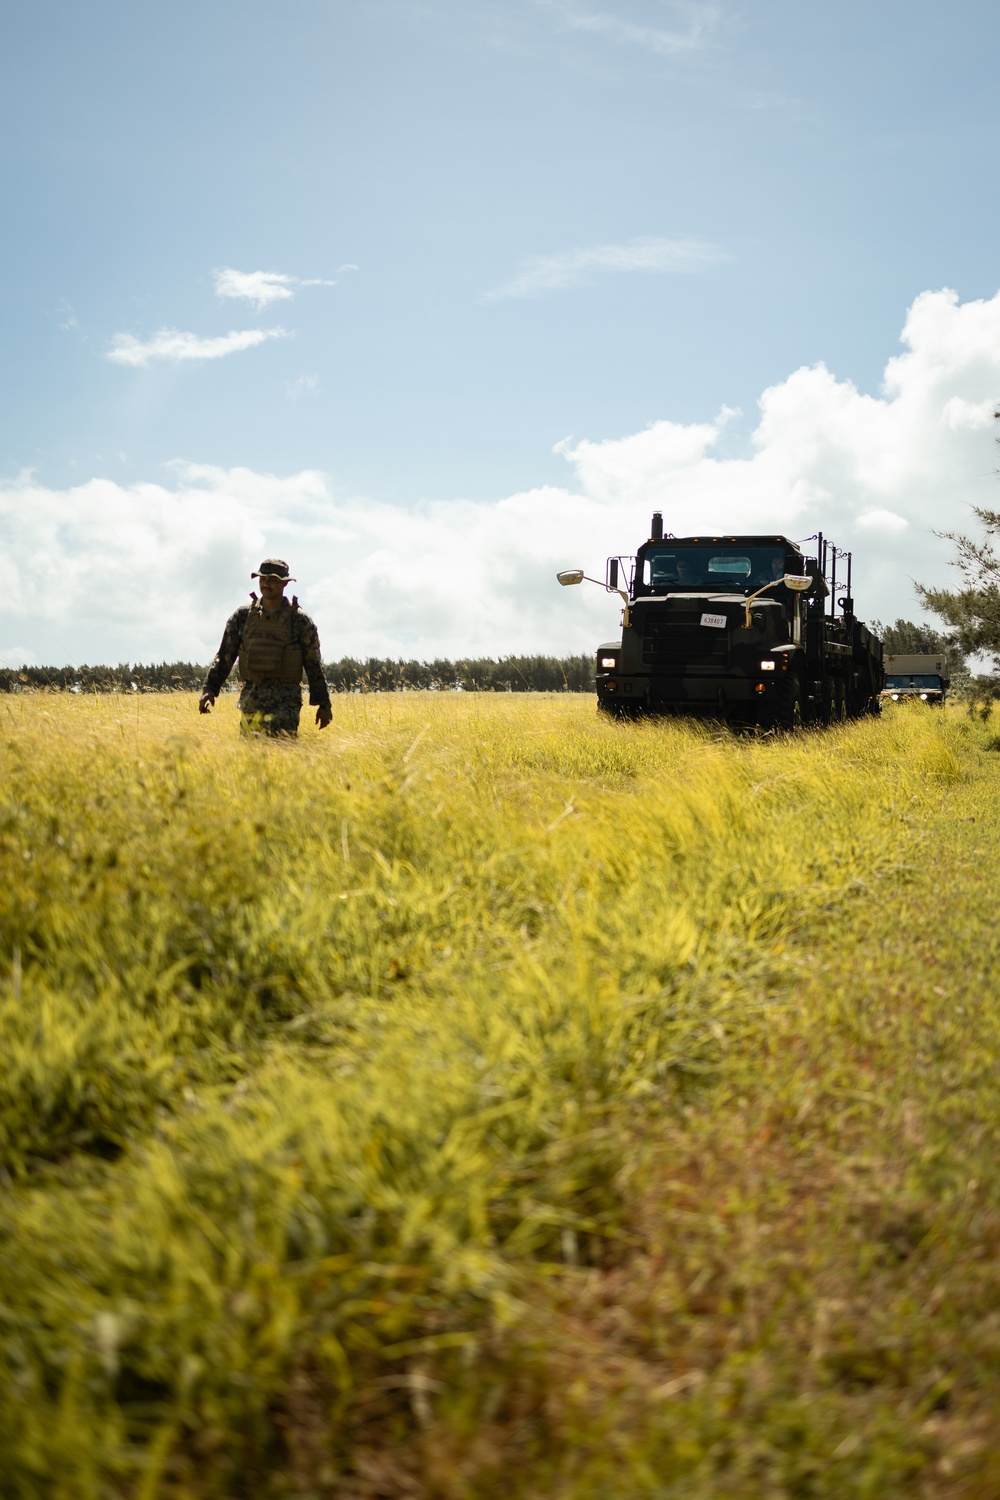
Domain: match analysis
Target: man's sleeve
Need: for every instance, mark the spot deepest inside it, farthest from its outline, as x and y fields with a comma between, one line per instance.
x=319, y=693
x=227, y=653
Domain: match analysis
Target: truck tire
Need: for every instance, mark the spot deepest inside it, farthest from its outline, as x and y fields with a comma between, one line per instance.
x=786, y=711
x=825, y=699
x=839, y=702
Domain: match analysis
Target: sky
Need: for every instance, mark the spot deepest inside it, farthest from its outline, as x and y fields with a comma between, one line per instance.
x=434, y=297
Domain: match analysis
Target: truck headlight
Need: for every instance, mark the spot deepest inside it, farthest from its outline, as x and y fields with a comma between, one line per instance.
x=609, y=661
x=767, y=666
x=924, y=697
x=895, y=697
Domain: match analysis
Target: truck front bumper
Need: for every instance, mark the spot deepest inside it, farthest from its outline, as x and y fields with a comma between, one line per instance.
x=711, y=696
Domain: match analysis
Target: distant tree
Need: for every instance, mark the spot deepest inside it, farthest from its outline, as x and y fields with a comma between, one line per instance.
x=907, y=638
x=972, y=611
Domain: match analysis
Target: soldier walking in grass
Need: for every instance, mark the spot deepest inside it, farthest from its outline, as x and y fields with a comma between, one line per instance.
x=274, y=642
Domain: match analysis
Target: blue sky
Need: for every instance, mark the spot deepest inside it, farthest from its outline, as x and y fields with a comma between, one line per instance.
x=524, y=223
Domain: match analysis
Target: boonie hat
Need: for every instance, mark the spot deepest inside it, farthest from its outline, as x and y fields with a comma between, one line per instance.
x=274, y=567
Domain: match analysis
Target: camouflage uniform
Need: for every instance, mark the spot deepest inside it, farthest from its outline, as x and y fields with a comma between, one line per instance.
x=271, y=707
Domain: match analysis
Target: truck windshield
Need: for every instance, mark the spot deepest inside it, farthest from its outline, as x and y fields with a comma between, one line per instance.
x=918, y=680
x=714, y=566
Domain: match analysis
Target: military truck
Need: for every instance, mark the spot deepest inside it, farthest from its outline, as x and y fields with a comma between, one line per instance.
x=746, y=629
x=919, y=677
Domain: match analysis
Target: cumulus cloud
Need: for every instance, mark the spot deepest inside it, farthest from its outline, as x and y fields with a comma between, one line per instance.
x=262, y=287
x=173, y=345
x=697, y=24
x=19, y=656
x=104, y=571
x=568, y=268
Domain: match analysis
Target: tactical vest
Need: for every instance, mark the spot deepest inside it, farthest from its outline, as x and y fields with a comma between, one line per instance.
x=269, y=650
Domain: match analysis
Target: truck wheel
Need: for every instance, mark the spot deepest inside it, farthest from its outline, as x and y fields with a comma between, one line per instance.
x=839, y=702
x=825, y=705
x=787, y=710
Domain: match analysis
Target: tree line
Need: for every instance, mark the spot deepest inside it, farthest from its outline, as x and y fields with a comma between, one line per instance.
x=510, y=674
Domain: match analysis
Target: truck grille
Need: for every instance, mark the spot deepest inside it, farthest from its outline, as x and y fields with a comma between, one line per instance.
x=678, y=639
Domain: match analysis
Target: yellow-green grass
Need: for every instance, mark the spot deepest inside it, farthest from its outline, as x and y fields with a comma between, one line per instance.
x=480, y=1098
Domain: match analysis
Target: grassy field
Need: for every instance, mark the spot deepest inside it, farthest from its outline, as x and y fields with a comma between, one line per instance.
x=479, y=1099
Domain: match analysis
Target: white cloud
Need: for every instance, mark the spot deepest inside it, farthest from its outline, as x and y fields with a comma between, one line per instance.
x=305, y=385
x=961, y=413
x=258, y=287
x=19, y=656
x=569, y=268
x=65, y=312
x=109, y=572
x=172, y=344
x=698, y=24
x=888, y=521
x=263, y=287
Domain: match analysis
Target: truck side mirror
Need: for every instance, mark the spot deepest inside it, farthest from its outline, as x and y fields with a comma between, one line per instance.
x=613, y=573
x=570, y=575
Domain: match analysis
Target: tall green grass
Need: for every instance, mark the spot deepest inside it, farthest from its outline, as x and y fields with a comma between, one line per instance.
x=372, y=1104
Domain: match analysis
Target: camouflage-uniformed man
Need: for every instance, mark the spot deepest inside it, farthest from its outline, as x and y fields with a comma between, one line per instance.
x=275, y=642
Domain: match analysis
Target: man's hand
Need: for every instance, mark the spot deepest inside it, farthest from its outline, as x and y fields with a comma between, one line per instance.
x=324, y=715
x=205, y=703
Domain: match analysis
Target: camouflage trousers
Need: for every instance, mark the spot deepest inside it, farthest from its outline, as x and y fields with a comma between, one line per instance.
x=270, y=708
